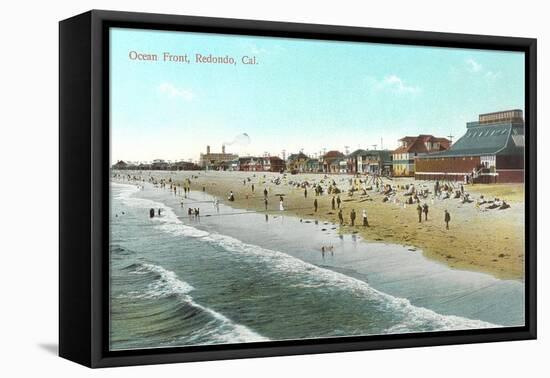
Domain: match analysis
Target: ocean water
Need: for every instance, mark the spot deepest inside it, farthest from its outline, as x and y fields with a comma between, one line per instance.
x=233, y=277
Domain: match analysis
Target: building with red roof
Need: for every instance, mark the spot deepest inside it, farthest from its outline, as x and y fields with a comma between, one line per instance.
x=403, y=163
x=331, y=162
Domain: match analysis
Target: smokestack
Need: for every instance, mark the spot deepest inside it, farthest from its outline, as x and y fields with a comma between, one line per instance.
x=223, y=148
x=207, y=149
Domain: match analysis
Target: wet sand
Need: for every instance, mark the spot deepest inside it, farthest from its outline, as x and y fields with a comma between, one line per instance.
x=489, y=241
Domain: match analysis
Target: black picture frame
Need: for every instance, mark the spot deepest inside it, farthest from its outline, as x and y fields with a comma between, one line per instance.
x=84, y=187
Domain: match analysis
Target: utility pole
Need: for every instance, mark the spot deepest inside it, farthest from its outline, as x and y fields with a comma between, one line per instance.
x=451, y=136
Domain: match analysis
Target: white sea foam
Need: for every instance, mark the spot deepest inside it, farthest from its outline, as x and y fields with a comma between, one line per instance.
x=414, y=318
x=168, y=284
x=167, y=222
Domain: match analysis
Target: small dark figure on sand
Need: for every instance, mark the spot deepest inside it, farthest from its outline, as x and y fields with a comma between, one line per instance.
x=352, y=217
x=425, y=210
x=315, y=204
x=333, y=203
x=265, y=193
x=447, y=219
x=419, y=210
x=338, y=201
x=341, y=216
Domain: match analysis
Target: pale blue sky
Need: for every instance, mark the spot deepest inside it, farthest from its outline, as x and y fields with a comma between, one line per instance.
x=302, y=94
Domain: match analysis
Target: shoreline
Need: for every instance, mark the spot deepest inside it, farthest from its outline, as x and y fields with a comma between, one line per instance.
x=476, y=236
x=389, y=268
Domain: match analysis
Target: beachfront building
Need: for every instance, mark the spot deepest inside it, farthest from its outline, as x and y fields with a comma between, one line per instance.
x=160, y=165
x=353, y=158
x=312, y=166
x=403, y=158
x=120, y=165
x=331, y=161
x=234, y=165
x=492, y=150
x=375, y=162
x=273, y=164
x=370, y=162
x=184, y=166
x=144, y=166
x=296, y=163
x=251, y=164
x=209, y=160
x=339, y=165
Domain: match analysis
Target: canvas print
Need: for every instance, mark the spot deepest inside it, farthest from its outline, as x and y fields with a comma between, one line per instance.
x=266, y=189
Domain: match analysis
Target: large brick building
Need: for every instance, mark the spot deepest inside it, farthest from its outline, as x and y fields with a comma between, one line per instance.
x=491, y=150
x=210, y=160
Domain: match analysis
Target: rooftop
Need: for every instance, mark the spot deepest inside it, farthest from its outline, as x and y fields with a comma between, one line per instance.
x=488, y=138
x=419, y=144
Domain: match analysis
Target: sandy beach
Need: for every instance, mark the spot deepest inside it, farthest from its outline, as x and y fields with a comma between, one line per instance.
x=479, y=239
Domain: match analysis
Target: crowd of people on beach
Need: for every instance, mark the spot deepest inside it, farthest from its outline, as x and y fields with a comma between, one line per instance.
x=359, y=188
